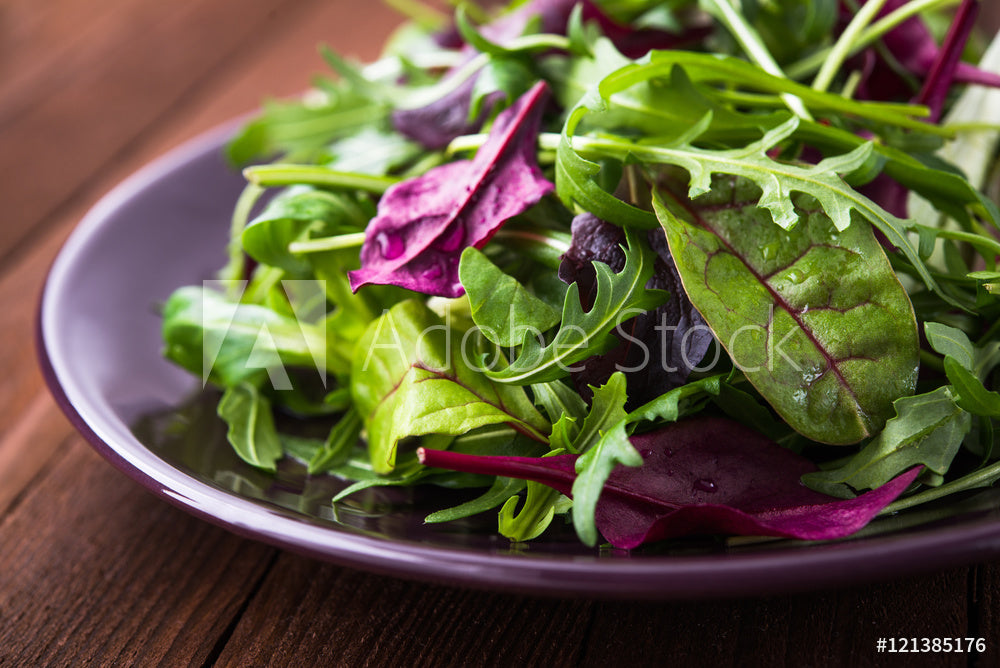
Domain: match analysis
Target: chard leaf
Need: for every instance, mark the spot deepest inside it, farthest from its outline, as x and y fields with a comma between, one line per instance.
x=814, y=316
x=425, y=223
x=927, y=429
x=707, y=475
x=501, y=307
x=251, y=426
x=411, y=378
x=582, y=334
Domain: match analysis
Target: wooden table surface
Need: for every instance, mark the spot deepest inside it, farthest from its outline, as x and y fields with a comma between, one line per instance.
x=96, y=571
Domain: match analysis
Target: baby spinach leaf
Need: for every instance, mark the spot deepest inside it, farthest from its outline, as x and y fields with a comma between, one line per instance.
x=972, y=395
x=425, y=223
x=342, y=438
x=501, y=307
x=950, y=341
x=411, y=377
x=582, y=334
x=251, y=426
x=297, y=214
x=927, y=429
x=814, y=316
x=227, y=343
x=707, y=475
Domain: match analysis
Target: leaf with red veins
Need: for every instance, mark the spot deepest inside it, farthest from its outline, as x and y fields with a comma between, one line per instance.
x=425, y=223
x=699, y=476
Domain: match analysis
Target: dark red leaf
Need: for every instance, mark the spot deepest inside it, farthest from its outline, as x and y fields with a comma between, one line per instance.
x=424, y=224
x=700, y=476
x=656, y=349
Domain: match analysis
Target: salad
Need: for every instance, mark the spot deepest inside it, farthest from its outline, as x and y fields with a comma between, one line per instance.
x=650, y=268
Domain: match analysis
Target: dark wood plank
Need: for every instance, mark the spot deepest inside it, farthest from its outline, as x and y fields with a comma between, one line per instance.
x=316, y=613
x=984, y=607
x=97, y=571
x=348, y=618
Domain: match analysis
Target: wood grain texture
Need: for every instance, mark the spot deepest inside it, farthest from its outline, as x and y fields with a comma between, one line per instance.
x=90, y=108
x=96, y=570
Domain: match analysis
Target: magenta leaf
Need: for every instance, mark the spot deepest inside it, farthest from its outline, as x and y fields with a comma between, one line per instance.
x=700, y=476
x=425, y=223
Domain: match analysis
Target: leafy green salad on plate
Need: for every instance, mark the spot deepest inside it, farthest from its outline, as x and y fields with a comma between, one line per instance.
x=716, y=267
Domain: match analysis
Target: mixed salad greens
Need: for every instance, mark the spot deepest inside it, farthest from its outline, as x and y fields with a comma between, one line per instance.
x=686, y=266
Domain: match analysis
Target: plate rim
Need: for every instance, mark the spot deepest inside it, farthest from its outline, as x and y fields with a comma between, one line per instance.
x=798, y=569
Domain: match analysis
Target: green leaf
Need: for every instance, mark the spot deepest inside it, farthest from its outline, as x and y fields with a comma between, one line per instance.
x=950, y=341
x=535, y=515
x=928, y=429
x=298, y=214
x=227, y=343
x=411, y=377
x=342, y=438
x=582, y=334
x=502, y=308
x=593, y=469
x=502, y=490
x=680, y=401
x=607, y=409
x=814, y=317
x=560, y=402
x=972, y=395
x=251, y=426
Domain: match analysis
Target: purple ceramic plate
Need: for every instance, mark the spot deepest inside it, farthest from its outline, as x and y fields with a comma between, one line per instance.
x=100, y=350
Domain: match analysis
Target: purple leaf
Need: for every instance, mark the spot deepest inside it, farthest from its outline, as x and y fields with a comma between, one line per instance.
x=945, y=66
x=657, y=349
x=436, y=124
x=699, y=476
x=425, y=223
x=912, y=46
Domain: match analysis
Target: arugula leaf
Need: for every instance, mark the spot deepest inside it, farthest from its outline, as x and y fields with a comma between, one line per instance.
x=502, y=491
x=501, y=307
x=814, y=317
x=411, y=377
x=604, y=443
x=950, y=341
x=585, y=333
x=251, y=426
x=927, y=429
x=535, y=516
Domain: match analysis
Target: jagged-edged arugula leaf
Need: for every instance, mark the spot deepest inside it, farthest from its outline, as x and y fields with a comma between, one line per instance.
x=584, y=333
x=814, y=317
x=411, y=377
x=927, y=429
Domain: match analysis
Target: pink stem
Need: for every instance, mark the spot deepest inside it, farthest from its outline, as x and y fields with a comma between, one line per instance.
x=942, y=72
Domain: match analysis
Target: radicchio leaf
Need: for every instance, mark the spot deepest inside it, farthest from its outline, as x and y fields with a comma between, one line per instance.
x=699, y=476
x=425, y=223
x=658, y=348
